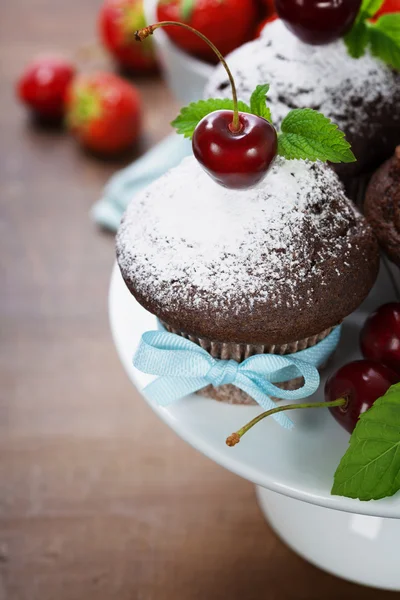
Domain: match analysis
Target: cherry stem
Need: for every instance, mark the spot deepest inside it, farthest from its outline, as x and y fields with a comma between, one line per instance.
x=142, y=34
x=234, y=439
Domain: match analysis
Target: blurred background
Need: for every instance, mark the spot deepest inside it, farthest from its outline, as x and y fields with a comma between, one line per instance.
x=98, y=498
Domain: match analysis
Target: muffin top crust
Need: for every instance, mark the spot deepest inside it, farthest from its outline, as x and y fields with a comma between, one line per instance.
x=233, y=265
x=362, y=96
x=300, y=75
x=382, y=206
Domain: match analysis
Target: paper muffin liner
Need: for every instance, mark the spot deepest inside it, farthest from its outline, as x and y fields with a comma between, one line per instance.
x=239, y=352
x=233, y=395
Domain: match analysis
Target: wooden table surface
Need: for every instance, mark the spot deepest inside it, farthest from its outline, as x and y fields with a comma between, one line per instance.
x=98, y=499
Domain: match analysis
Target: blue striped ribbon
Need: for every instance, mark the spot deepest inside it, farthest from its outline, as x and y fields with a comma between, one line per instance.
x=183, y=368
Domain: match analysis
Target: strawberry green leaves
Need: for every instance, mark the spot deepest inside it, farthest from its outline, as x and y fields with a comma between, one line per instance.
x=187, y=7
x=370, y=469
x=185, y=123
x=307, y=134
x=381, y=37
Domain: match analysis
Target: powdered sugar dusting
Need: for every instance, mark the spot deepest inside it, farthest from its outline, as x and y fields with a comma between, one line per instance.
x=187, y=242
x=325, y=78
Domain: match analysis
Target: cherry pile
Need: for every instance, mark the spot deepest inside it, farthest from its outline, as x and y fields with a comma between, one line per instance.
x=362, y=382
x=354, y=388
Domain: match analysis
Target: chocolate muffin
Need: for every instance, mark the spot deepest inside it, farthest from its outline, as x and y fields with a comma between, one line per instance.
x=361, y=96
x=382, y=206
x=269, y=269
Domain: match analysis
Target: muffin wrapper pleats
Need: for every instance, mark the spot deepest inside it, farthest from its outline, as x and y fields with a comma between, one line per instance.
x=239, y=352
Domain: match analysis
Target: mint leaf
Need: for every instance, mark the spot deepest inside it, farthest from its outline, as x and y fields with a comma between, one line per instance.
x=258, y=104
x=369, y=8
x=357, y=39
x=385, y=39
x=307, y=134
x=370, y=469
x=185, y=123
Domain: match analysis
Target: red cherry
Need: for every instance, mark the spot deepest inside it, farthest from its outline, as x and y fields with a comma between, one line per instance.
x=361, y=383
x=318, y=21
x=380, y=336
x=43, y=85
x=234, y=148
x=235, y=160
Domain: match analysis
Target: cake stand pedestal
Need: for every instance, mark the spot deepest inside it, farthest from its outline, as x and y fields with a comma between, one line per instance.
x=293, y=470
x=357, y=547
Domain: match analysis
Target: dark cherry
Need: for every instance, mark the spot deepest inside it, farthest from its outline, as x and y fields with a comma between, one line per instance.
x=361, y=383
x=318, y=21
x=380, y=336
x=235, y=160
x=234, y=148
x=349, y=392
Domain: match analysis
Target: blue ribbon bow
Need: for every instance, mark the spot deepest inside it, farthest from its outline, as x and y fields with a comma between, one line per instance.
x=184, y=368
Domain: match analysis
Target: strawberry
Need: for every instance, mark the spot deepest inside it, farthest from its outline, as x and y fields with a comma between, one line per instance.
x=388, y=7
x=43, y=84
x=227, y=23
x=103, y=112
x=263, y=23
x=118, y=21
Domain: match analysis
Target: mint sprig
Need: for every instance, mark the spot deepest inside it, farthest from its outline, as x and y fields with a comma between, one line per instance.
x=185, y=123
x=382, y=38
x=357, y=39
x=370, y=469
x=258, y=105
x=385, y=39
x=306, y=134
x=369, y=8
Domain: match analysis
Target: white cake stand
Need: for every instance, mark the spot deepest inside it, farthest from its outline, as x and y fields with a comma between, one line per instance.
x=292, y=470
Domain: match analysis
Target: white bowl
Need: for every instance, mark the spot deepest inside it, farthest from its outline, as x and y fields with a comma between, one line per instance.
x=185, y=75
